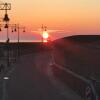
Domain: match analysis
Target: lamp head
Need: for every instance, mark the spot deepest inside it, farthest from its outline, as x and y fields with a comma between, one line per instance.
x=15, y=30
x=6, y=18
x=6, y=26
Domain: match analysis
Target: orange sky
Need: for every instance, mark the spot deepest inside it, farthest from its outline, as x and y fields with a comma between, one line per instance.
x=72, y=16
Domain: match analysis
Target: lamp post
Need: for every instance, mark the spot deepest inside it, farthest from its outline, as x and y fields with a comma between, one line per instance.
x=17, y=28
x=6, y=7
x=45, y=35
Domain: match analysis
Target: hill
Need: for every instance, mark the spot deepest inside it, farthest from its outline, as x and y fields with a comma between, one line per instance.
x=80, y=38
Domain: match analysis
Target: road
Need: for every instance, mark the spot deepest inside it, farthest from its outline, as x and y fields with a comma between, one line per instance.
x=32, y=79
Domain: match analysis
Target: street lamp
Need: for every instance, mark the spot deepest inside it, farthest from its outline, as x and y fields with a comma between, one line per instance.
x=17, y=28
x=45, y=35
x=6, y=19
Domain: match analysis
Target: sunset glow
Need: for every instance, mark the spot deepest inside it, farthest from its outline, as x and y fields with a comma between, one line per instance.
x=45, y=35
x=72, y=16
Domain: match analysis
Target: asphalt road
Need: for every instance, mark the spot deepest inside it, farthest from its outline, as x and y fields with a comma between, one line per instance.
x=32, y=79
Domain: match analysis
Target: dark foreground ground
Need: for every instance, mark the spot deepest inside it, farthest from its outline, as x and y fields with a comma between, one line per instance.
x=34, y=78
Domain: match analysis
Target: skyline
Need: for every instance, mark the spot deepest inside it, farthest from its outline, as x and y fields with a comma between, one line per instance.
x=70, y=16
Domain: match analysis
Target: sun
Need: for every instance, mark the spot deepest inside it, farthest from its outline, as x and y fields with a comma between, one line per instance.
x=45, y=35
